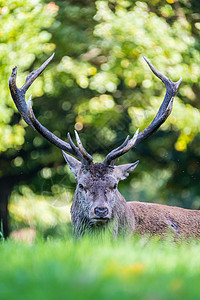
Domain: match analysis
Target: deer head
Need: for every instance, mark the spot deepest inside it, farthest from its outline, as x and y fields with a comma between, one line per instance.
x=96, y=191
x=97, y=199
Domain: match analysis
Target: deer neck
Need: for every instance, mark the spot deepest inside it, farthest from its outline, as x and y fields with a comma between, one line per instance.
x=124, y=218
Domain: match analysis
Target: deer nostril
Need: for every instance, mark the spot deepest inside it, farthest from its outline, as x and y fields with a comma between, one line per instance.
x=101, y=212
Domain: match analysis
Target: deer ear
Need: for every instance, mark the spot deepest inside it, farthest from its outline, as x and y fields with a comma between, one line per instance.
x=73, y=163
x=121, y=172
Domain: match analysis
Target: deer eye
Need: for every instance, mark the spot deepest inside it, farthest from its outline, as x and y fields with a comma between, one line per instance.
x=115, y=186
x=81, y=187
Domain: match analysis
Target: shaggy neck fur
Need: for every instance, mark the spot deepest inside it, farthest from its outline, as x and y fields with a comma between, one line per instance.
x=121, y=220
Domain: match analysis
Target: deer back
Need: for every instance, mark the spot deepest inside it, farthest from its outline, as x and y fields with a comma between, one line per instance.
x=159, y=219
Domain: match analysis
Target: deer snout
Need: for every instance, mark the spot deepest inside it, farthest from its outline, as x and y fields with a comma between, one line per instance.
x=101, y=212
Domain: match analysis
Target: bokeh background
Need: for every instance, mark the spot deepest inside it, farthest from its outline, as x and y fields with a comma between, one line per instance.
x=98, y=84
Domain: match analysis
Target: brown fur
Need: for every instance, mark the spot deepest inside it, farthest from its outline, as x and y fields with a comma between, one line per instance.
x=159, y=219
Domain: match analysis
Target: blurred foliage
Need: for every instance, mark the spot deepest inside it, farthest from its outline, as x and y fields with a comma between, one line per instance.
x=44, y=213
x=99, y=84
x=1, y=233
x=20, y=44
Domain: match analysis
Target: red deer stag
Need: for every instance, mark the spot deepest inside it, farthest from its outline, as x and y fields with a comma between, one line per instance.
x=97, y=203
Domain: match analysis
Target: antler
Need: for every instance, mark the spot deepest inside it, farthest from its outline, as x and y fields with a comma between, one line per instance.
x=26, y=111
x=163, y=113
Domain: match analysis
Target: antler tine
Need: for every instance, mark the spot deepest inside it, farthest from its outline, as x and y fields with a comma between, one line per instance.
x=166, y=106
x=18, y=94
x=115, y=150
x=46, y=133
x=125, y=147
x=19, y=97
x=163, y=113
x=72, y=144
x=34, y=74
x=122, y=145
x=86, y=155
x=85, y=158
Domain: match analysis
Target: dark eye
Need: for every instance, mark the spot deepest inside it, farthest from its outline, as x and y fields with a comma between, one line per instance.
x=81, y=187
x=115, y=186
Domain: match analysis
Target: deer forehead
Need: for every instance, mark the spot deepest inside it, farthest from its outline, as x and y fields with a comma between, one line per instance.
x=98, y=174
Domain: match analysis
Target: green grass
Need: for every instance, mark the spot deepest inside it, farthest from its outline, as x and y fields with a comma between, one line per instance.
x=90, y=268
x=1, y=232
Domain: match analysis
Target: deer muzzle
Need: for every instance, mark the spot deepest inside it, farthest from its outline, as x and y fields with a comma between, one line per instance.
x=101, y=213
